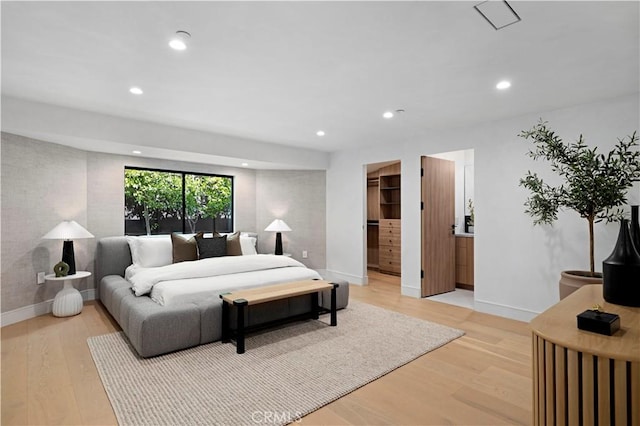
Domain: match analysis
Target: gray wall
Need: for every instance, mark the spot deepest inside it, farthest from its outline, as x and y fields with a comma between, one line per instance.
x=44, y=183
x=298, y=198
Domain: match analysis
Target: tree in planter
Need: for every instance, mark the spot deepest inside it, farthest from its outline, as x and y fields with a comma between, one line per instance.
x=595, y=185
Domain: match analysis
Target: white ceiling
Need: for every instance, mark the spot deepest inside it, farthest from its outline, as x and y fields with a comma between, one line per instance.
x=280, y=71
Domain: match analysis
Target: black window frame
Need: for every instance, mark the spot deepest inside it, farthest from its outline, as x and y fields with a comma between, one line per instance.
x=183, y=174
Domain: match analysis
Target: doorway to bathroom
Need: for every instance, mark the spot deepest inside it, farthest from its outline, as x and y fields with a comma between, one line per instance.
x=448, y=227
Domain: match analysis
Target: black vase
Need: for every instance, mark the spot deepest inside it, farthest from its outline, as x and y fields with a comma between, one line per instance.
x=621, y=271
x=635, y=228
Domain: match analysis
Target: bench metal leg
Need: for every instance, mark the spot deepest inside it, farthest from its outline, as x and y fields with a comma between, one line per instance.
x=226, y=334
x=314, y=306
x=240, y=304
x=334, y=316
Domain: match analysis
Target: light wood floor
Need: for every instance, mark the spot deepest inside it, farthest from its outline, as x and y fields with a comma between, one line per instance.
x=484, y=377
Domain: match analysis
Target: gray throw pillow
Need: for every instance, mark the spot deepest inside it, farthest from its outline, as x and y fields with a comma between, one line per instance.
x=211, y=247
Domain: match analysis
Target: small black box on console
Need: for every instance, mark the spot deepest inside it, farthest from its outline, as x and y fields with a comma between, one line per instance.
x=599, y=322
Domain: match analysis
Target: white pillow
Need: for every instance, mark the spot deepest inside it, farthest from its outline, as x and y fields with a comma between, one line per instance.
x=248, y=245
x=151, y=252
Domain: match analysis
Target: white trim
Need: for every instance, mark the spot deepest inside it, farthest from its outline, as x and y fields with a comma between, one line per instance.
x=335, y=275
x=42, y=308
x=411, y=291
x=507, y=311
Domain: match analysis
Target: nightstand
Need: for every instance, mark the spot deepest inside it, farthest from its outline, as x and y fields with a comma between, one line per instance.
x=68, y=301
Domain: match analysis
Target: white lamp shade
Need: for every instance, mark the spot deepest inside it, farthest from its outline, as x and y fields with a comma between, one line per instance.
x=67, y=230
x=278, y=225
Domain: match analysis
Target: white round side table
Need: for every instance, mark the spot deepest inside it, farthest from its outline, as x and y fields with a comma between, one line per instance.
x=68, y=301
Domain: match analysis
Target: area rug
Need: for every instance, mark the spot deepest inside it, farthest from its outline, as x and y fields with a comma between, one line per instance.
x=285, y=373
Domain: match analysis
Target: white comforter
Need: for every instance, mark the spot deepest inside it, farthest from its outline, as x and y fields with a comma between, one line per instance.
x=192, y=281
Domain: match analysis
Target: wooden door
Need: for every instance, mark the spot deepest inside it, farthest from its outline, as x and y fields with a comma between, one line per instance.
x=438, y=218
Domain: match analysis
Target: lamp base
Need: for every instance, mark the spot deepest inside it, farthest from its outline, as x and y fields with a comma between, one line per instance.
x=278, y=243
x=68, y=256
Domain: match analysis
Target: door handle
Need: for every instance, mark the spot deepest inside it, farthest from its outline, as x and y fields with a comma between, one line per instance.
x=453, y=229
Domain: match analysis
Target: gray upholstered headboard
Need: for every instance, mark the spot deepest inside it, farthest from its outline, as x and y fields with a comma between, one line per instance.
x=113, y=256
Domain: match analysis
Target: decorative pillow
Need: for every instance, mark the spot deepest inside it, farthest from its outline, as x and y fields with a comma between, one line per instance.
x=211, y=247
x=151, y=252
x=185, y=247
x=248, y=245
x=234, y=247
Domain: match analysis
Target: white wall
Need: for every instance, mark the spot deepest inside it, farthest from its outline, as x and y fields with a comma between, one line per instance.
x=517, y=266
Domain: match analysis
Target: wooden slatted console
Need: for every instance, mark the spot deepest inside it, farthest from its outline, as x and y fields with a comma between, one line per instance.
x=580, y=377
x=244, y=298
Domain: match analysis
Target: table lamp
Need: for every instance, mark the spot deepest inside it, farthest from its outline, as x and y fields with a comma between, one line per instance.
x=278, y=226
x=68, y=231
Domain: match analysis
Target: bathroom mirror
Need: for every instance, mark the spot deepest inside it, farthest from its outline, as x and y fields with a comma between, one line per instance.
x=469, y=203
x=468, y=188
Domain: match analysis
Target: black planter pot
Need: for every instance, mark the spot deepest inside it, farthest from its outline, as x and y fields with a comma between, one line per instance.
x=621, y=271
x=635, y=227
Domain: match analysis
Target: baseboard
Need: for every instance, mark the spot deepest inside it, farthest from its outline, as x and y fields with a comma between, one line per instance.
x=42, y=308
x=411, y=291
x=507, y=311
x=335, y=275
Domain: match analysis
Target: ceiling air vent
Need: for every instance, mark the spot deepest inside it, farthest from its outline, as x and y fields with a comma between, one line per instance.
x=498, y=13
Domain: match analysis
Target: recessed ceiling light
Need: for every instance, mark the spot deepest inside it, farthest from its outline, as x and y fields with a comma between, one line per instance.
x=245, y=164
x=179, y=41
x=388, y=114
x=503, y=85
x=136, y=90
x=136, y=152
x=177, y=44
x=320, y=133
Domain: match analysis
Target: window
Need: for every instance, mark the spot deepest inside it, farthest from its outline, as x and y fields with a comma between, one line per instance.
x=161, y=202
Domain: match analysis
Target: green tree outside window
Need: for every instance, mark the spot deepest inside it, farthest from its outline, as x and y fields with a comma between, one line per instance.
x=156, y=197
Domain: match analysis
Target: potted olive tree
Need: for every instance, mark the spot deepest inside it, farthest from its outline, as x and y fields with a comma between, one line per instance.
x=594, y=186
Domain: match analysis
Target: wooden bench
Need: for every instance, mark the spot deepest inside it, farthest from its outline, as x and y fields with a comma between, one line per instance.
x=243, y=298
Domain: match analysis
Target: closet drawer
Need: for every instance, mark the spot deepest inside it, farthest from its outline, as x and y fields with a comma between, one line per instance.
x=390, y=252
x=389, y=265
x=389, y=240
x=389, y=234
x=390, y=223
x=386, y=230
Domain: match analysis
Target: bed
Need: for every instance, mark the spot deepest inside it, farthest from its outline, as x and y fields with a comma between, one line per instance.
x=147, y=296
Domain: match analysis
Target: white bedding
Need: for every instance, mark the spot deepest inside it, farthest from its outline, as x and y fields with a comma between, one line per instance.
x=193, y=281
